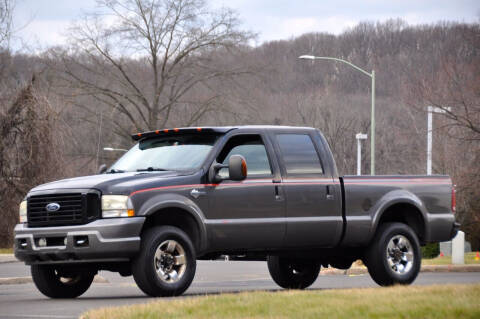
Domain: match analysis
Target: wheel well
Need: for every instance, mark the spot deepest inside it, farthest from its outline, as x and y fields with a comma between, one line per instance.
x=407, y=214
x=178, y=217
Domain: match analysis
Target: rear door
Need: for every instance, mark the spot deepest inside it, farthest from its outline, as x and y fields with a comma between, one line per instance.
x=312, y=199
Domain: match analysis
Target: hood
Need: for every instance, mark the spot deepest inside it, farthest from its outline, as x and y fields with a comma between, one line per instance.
x=118, y=183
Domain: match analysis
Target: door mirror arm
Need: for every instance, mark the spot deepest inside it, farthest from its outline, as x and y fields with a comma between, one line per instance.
x=213, y=176
x=237, y=170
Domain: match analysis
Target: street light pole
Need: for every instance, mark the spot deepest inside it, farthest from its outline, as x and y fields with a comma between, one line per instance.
x=359, y=137
x=429, y=141
x=430, y=111
x=372, y=128
x=372, y=118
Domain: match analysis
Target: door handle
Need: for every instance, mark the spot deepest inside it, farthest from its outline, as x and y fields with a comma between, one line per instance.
x=196, y=193
x=330, y=192
x=278, y=197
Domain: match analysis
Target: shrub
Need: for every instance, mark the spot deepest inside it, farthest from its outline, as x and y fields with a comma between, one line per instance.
x=430, y=251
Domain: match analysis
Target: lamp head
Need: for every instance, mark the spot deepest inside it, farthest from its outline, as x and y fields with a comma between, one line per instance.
x=307, y=57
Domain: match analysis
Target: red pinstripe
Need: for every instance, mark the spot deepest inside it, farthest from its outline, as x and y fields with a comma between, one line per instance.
x=256, y=182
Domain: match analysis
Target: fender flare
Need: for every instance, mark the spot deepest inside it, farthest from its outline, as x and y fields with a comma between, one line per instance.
x=398, y=197
x=165, y=201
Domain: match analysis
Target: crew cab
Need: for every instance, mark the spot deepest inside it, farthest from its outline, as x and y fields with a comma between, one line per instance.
x=252, y=192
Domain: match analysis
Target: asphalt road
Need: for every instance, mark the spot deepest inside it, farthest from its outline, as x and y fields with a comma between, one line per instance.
x=24, y=301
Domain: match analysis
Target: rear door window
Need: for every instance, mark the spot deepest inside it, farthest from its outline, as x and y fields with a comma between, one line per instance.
x=299, y=154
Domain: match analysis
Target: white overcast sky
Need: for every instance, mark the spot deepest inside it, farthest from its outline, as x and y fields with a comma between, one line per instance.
x=41, y=22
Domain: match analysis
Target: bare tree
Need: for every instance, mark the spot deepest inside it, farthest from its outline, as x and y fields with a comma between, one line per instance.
x=29, y=152
x=6, y=9
x=457, y=92
x=143, y=58
x=450, y=79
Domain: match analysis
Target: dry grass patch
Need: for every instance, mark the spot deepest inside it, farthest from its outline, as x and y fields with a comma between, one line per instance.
x=469, y=260
x=6, y=250
x=446, y=301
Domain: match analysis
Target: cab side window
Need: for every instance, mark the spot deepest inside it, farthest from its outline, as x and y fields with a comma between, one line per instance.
x=251, y=147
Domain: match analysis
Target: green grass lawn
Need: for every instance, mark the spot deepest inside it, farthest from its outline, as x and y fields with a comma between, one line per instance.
x=447, y=301
x=469, y=259
x=6, y=250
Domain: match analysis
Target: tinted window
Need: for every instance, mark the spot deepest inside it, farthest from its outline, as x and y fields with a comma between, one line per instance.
x=251, y=147
x=179, y=152
x=299, y=154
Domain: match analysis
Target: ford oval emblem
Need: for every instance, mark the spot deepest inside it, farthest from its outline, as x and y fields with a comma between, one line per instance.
x=52, y=207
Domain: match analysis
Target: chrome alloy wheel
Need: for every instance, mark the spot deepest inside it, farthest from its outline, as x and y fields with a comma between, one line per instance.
x=400, y=255
x=170, y=261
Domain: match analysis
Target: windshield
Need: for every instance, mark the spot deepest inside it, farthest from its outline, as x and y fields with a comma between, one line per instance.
x=169, y=153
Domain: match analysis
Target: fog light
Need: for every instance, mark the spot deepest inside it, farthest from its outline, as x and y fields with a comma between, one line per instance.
x=42, y=242
x=65, y=241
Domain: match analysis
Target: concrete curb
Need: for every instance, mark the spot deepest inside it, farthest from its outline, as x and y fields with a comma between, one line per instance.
x=26, y=280
x=7, y=258
x=450, y=268
x=426, y=268
x=15, y=280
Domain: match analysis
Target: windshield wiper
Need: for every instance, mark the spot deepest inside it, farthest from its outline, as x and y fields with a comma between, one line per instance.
x=113, y=171
x=151, y=169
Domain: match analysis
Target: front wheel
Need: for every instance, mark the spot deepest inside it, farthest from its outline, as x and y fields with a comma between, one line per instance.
x=166, y=263
x=61, y=283
x=394, y=255
x=293, y=273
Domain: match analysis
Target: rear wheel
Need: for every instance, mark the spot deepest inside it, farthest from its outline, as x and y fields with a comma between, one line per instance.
x=293, y=273
x=394, y=255
x=166, y=263
x=61, y=283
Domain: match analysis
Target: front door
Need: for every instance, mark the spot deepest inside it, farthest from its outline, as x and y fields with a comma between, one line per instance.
x=249, y=214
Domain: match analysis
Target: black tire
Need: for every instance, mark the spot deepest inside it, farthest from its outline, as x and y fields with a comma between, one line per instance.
x=377, y=257
x=291, y=273
x=145, y=263
x=57, y=283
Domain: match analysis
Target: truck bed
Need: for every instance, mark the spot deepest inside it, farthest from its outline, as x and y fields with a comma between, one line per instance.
x=367, y=198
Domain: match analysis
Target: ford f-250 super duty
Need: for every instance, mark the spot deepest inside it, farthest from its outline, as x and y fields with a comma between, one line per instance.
x=260, y=192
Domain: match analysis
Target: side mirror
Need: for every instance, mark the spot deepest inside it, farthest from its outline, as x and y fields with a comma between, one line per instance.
x=102, y=169
x=237, y=169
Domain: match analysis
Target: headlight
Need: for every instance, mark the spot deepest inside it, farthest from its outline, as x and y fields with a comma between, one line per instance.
x=22, y=211
x=117, y=206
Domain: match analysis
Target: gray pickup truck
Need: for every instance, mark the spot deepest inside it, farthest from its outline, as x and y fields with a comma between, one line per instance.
x=252, y=192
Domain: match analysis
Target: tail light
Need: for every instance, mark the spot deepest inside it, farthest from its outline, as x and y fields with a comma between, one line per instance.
x=454, y=200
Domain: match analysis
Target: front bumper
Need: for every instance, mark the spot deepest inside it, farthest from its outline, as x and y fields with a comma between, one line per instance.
x=103, y=240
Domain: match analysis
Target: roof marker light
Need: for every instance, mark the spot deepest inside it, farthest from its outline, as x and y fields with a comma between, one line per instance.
x=139, y=134
x=165, y=130
x=199, y=129
x=157, y=131
x=176, y=129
